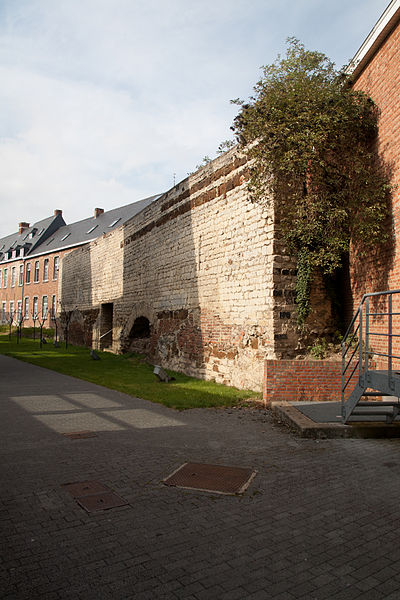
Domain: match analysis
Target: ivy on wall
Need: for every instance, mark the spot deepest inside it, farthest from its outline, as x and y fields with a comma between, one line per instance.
x=312, y=140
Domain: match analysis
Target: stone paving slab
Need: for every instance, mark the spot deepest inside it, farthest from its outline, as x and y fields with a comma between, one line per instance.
x=319, y=521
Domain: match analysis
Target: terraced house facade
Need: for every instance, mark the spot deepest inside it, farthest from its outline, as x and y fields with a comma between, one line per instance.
x=30, y=261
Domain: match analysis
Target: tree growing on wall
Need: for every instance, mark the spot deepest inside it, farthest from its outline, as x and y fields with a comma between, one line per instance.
x=311, y=139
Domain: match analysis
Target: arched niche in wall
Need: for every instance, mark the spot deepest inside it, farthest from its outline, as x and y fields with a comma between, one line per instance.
x=135, y=335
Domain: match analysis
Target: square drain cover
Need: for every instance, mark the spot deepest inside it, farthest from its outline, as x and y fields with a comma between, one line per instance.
x=211, y=478
x=93, y=495
x=101, y=501
x=79, y=435
x=85, y=488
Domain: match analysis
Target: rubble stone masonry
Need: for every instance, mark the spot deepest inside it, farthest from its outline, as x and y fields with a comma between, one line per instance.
x=197, y=281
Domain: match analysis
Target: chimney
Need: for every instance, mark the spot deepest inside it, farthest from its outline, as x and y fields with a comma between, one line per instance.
x=98, y=212
x=57, y=212
x=22, y=227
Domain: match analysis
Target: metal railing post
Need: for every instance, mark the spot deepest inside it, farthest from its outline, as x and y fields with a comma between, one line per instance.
x=366, y=335
x=390, y=341
x=343, y=368
x=360, y=350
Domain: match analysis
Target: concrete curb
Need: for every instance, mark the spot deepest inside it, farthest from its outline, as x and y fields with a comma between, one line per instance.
x=307, y=428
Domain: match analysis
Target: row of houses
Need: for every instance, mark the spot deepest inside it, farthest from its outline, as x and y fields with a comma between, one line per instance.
x=198, y=277
x=30, y=260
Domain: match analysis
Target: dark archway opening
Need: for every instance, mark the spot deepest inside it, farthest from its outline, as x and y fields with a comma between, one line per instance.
x=139, y=339
x=140, y=328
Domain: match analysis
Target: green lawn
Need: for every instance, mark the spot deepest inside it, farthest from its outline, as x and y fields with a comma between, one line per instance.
x=127, y=373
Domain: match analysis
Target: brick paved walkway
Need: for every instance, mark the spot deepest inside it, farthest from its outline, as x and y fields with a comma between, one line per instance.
x=320, y=520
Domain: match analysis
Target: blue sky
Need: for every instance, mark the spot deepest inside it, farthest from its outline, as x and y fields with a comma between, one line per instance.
x=103, y=101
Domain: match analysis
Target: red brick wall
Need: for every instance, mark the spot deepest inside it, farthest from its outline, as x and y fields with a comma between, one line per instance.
x=380, y=79
x=301, y=380
x=32, y=289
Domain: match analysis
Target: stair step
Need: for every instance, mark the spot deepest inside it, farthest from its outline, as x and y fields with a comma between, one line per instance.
x=383, y=403
x=371, y=413
x=374, y=394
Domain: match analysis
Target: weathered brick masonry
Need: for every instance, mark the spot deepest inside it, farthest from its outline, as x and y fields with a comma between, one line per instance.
x=379, y=76
x=201, y=267
x=380, y=79
x=199, y=280
x=302, y=380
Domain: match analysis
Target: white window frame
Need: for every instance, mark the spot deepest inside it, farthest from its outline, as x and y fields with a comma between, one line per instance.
x=53, y=306
x=45, y=307
x=35, y=306
x=21, y=275
x=46, y=269
x=56, y=266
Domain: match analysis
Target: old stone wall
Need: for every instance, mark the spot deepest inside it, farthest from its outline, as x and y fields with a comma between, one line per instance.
x=198, y=281
x=198, y=265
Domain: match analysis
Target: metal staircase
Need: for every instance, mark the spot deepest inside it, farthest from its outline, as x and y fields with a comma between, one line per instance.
x=371, y=360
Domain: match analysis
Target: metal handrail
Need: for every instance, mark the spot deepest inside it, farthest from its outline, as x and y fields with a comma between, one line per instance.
x=363, y=361
x=104, y=334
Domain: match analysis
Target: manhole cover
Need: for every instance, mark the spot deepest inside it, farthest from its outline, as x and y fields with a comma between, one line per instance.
x=101, y=501
x=93, y=495
x=211, y=478
x=79, y=435
x=78, y=489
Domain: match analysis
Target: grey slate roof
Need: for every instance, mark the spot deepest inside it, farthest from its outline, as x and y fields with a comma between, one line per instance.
x=26, y=242
x=53, y=234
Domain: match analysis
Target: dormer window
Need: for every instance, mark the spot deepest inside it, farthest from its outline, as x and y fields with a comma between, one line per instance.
x=92, y=229
x=65, y=236
x=115, y=222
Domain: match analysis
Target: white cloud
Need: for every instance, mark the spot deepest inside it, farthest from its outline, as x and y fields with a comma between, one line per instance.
x=102, y=101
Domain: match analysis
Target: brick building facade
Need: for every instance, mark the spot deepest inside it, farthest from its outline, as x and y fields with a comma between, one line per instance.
x=376, y=71
x=30, y=260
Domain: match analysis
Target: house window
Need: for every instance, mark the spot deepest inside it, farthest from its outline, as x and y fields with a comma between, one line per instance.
x=53, y=306
x=56, y=266
x=0, y=277
x=3, y=312
x=21, y=275
x=35, y=307
x=13, y=276
x=5, y=281
x=11, y=309
x=28, y=273
x=26, y=308
x=36, y=275
x=46, y=269
x=44, y=307
x=19, y=311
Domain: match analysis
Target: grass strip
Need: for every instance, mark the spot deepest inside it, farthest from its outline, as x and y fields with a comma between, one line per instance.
x=128, y=373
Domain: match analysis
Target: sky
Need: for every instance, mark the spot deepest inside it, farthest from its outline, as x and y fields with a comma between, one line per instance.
x=106, y=102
